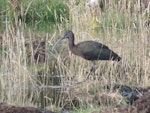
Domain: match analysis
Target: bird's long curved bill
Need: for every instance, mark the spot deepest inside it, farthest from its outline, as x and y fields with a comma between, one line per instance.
x=59, y=40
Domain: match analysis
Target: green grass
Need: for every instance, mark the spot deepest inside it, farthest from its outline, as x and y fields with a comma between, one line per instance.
x=47, y=11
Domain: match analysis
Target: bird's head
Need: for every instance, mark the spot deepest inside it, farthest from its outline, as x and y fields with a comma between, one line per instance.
x=68, y=34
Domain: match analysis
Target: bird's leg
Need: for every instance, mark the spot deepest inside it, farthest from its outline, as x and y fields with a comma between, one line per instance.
x=93, y=67
x=92, y=70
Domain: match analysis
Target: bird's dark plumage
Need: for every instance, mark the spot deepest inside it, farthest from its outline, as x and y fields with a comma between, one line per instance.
x=89, y=50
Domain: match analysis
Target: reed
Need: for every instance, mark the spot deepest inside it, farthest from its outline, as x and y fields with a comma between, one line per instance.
x=123, y=29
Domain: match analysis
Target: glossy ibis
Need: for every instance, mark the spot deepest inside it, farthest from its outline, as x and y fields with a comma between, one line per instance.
x=89, y=50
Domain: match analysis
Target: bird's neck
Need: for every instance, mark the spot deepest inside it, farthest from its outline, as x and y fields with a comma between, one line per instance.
x=71, y=43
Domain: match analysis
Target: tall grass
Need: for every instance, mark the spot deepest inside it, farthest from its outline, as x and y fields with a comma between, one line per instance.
x=47, y=11
x=122, y=31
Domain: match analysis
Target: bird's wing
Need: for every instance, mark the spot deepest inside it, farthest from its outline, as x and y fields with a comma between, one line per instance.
x=92, y=44
x=90, y=49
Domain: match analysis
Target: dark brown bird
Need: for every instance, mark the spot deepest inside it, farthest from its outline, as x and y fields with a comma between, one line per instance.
x=89, y=50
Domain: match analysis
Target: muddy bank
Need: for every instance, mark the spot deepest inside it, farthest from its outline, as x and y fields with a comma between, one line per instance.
x=5, y=108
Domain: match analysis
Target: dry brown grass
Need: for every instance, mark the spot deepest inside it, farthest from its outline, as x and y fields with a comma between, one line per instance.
x=130, y=43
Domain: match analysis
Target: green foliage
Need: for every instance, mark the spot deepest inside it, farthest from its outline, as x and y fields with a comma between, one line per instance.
x=2, y=6
x=1, y=50
x=3, y=13
x=39, y=11
x=53, y=11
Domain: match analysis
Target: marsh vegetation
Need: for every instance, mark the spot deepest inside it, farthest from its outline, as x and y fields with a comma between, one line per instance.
x=31, y=74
